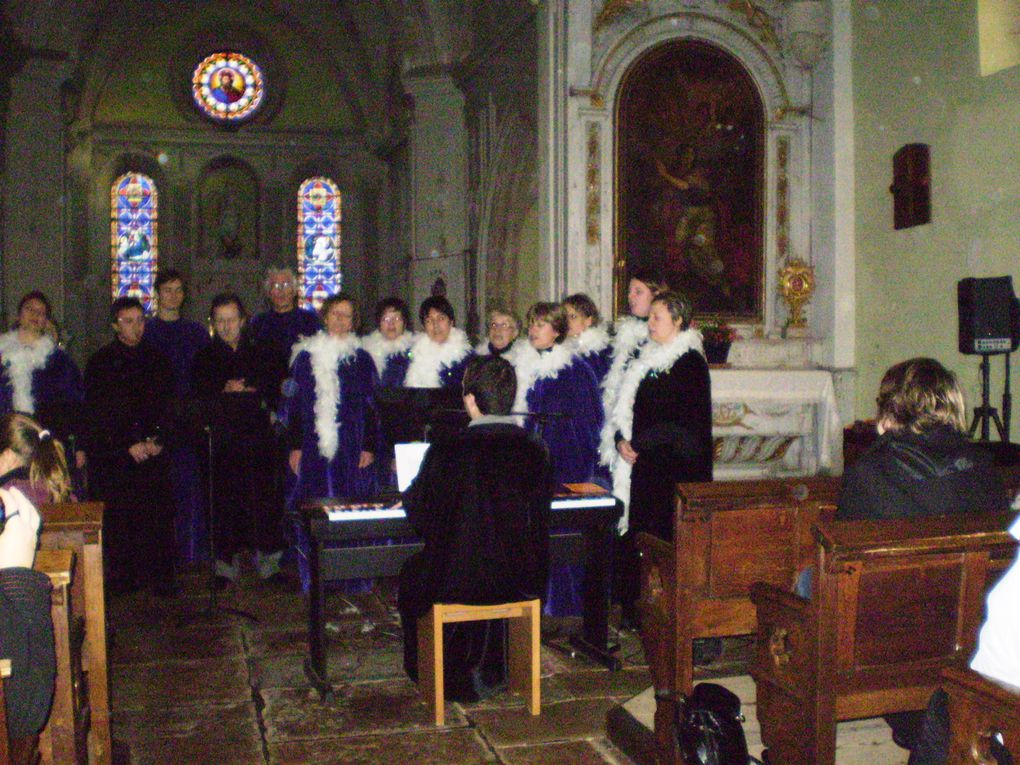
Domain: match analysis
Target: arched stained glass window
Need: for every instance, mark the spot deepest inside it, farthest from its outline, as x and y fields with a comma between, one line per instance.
x=318, y=240
x=133, y=237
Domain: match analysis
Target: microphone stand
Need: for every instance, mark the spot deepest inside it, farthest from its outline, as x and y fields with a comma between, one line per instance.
x=213, y=608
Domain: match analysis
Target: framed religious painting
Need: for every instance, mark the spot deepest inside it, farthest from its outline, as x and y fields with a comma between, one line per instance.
x=690, y=178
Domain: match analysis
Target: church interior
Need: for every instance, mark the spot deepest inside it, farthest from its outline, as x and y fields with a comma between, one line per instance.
x=817, y=174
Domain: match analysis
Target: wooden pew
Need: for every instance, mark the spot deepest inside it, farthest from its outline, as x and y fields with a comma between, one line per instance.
x=728, y=536
x=78, y=526
x=64, y=739
x=895, y=602
x=979, y=708
x=5, y=739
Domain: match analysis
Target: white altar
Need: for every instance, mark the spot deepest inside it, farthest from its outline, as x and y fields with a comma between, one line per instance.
x=775, y=422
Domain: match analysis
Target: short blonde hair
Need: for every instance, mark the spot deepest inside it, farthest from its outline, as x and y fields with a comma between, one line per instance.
x=554, y=313
x=920, y=394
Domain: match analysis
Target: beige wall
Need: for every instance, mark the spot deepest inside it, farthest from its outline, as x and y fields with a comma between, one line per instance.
x=916, y=80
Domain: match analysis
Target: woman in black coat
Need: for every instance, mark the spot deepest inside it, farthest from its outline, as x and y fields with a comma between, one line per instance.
x=662, y=426
x=922, y=462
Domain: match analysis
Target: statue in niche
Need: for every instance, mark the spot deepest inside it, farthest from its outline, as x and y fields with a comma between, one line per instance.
x=228, y=209
x=230, y=243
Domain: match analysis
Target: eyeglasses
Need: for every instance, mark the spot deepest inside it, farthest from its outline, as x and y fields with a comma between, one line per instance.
x=391, y=319
x=126, y=321
x=500, y=325
x=280, y=285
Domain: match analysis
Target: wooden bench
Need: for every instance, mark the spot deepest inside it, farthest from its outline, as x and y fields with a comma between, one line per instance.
x=78, y=526
x=980, y=708
x=63, y=741
x=895, y=602
x=727, y=537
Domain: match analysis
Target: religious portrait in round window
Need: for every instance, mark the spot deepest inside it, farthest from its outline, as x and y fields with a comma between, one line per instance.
x=227, y=87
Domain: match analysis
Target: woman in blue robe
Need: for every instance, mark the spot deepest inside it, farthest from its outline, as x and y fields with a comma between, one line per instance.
x=390, y=343
x=586, y=336
x=441, y=354
x=39, y=378
x=333, y=428
x=561, y=394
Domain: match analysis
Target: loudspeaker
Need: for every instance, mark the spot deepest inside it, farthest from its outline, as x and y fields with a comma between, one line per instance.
x=989, y=315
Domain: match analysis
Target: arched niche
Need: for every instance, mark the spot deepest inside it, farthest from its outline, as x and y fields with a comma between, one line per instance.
x=228, y=211
x=690, y=145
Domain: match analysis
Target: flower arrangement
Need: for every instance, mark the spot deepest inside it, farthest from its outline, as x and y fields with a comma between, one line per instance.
x=717, y=332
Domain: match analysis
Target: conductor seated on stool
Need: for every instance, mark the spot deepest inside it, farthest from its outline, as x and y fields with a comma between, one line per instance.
x=481, y=504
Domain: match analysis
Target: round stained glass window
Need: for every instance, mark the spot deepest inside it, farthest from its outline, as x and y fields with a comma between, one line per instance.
x=227, y=87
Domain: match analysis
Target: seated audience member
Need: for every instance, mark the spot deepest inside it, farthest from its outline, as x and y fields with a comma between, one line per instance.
x=587, y=337
x=481, y=504
x=129, y=390
x=227, y=383
x=32, y=461
x=26, y=629
x=439, y=355
x=390, y=343
x=40, y=378
x=922, y=462
x=503, y=329
x=997, y=657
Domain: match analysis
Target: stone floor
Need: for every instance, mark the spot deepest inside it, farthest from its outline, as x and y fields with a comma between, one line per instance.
x=227, y=691
x=193, y=690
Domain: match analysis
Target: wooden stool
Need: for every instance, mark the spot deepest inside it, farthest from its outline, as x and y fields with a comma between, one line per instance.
x=523, y=670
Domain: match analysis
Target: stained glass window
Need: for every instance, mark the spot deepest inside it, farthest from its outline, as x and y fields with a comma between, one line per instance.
x=133, y=237
x=318, y=240
x=227, y=87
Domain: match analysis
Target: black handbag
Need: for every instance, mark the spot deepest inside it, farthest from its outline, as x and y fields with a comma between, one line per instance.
x=709, y=727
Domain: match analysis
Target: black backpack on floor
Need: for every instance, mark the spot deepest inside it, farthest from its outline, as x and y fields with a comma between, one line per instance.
x=709, y=727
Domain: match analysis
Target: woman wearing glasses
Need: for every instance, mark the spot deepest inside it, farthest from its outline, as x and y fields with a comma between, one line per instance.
x=390, y=343
x=503, y=329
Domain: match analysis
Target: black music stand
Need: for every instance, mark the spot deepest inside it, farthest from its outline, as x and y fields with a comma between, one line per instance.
x=420, y=414
x=201, y=415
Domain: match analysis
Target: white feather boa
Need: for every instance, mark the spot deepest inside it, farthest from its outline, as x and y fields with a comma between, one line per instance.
x=652, y=359
x=630, y=332
x=510, y=354
x=533, y=365
x=20, y=361
x=380, y=349
x=592, y=340
x=326, y=353
x=429, y=357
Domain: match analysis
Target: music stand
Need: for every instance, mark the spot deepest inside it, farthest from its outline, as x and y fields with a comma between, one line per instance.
x=202, y=415
x=420, y=414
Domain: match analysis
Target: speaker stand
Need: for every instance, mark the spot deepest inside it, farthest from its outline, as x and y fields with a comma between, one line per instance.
x=986, y=414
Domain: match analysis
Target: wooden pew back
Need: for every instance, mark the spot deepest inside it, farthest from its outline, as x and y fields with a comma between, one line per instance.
x=727, y=537
x=979, y=709
x=895, y=601
x=78, y=526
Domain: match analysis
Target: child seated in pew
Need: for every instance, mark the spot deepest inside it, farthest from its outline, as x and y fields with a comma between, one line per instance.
x=32, y=460
x=26, y=629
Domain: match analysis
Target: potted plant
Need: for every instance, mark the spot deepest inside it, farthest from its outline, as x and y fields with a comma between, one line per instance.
x=717, y=337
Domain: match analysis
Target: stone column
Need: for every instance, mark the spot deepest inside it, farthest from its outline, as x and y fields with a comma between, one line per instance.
x=438, y=188
x=34, y=199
